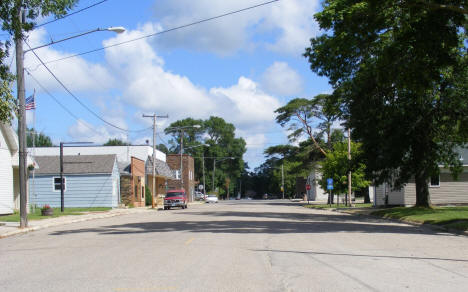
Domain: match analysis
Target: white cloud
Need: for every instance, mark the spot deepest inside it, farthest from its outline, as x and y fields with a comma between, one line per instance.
x=290, y=22
x=76, y=73
x=280, y=79
x=146, y=84
x=84, y=131
x=245, y=104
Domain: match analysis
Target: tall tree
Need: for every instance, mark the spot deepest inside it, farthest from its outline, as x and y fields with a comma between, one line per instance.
x=401, y=68
x=10, y=23
x=303, y=116
x=219, y=139
x=41, y=139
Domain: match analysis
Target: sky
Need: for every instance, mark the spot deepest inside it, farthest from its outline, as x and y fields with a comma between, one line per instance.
x=241, y=67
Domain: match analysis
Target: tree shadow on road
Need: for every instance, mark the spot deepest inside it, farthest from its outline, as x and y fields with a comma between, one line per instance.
x=258, y=223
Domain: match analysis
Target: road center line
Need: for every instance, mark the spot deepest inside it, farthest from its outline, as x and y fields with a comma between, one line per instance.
x=189, y=241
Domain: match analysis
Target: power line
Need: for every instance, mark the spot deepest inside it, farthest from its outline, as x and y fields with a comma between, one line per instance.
x=78, y=100
x=164, y=31
x=70, y=14
x=60, y=104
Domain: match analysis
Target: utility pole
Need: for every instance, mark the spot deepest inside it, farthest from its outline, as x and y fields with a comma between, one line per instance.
x=154, y=116
x=62, y=195
x=214, y=170
x=282, y=178
x=181, y=158
x=21, y=119
x=203, y=169
x=349, y=172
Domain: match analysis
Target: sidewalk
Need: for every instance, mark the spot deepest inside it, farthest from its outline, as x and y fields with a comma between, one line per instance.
x=12, y=228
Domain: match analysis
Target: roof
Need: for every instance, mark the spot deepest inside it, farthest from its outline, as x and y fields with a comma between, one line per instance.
x=124, y=153
x=162, y=168
x=76, y=164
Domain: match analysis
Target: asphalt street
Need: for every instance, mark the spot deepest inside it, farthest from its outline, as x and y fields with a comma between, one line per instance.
x=235, y=246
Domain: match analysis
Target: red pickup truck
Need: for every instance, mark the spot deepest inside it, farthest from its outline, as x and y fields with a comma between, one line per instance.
x=175, y=198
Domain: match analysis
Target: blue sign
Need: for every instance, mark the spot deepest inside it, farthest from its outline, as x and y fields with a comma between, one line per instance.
x=329, y=184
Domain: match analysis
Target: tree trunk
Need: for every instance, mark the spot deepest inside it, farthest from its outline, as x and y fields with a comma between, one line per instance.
x=422, y=190
x=366, y=195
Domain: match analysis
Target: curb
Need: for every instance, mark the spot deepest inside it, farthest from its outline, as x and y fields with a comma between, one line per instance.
x=57, y=223
x=417, y=224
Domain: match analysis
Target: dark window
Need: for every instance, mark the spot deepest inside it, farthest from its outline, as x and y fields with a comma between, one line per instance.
x=175, y=194
x=435, y=181
x=57, y=184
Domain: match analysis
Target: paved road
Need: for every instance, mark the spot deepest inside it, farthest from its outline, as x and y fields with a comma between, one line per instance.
x=235, y=246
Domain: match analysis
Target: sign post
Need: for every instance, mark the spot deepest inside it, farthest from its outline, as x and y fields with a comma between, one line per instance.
x=330, y=188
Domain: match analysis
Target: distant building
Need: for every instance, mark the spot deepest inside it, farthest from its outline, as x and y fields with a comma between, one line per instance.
x=443, y=189
x=135, y=167
x=188, y=174
x=89, y=181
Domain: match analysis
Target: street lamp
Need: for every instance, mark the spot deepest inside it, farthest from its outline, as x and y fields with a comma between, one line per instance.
x=22, y=110
x=116, y=29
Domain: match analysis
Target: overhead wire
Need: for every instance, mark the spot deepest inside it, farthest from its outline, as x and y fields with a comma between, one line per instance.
x=78, y=100
x=164, y=31
x=60, y=104
x=70, y=14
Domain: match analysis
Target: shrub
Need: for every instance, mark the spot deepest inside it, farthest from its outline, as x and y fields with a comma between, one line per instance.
x=147, y=196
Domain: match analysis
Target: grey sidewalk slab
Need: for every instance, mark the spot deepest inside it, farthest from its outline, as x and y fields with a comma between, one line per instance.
x=12, y=228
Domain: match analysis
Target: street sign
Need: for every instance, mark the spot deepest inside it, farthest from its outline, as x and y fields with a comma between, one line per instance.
x=308, y=187
x=329, y=184
x=200, y=187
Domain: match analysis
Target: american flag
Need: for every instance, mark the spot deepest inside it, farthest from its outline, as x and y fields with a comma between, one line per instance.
x=30, y=103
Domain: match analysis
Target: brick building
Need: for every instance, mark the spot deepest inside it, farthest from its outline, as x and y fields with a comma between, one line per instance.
x=188, y=173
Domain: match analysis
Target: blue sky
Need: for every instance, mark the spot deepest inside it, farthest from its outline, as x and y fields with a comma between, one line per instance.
x=241, y=67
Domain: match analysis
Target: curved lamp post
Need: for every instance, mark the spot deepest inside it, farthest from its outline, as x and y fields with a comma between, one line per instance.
x=22, y=110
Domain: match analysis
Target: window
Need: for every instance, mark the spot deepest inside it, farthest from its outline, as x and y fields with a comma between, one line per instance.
x=57, y=184
x=435, y=181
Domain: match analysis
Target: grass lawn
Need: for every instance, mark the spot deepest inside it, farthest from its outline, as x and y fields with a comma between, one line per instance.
x=341, y=206
x=450, y=217
x=37, y=214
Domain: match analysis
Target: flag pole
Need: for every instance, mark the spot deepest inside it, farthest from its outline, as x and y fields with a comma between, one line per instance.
x=34, y=154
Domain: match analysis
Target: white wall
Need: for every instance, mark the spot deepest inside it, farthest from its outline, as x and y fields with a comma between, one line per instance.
x=6, y=177
x=123, y=152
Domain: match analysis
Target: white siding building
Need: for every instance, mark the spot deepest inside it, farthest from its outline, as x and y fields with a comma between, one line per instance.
x=8, y=166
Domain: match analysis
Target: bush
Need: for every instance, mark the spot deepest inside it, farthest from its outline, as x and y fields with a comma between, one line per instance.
x=147, y=196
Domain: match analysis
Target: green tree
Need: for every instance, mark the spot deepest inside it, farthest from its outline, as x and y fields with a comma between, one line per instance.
x=41, y=139
x=303, y=116
x=336, y=166
x=115, y=142
x=219, y=138
x=162, y=148
x=10, y=23
x=401, y=69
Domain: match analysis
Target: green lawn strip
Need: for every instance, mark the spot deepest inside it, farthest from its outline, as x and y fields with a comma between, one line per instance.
x=37, y=214
x=450, y=217
x=340, y=206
